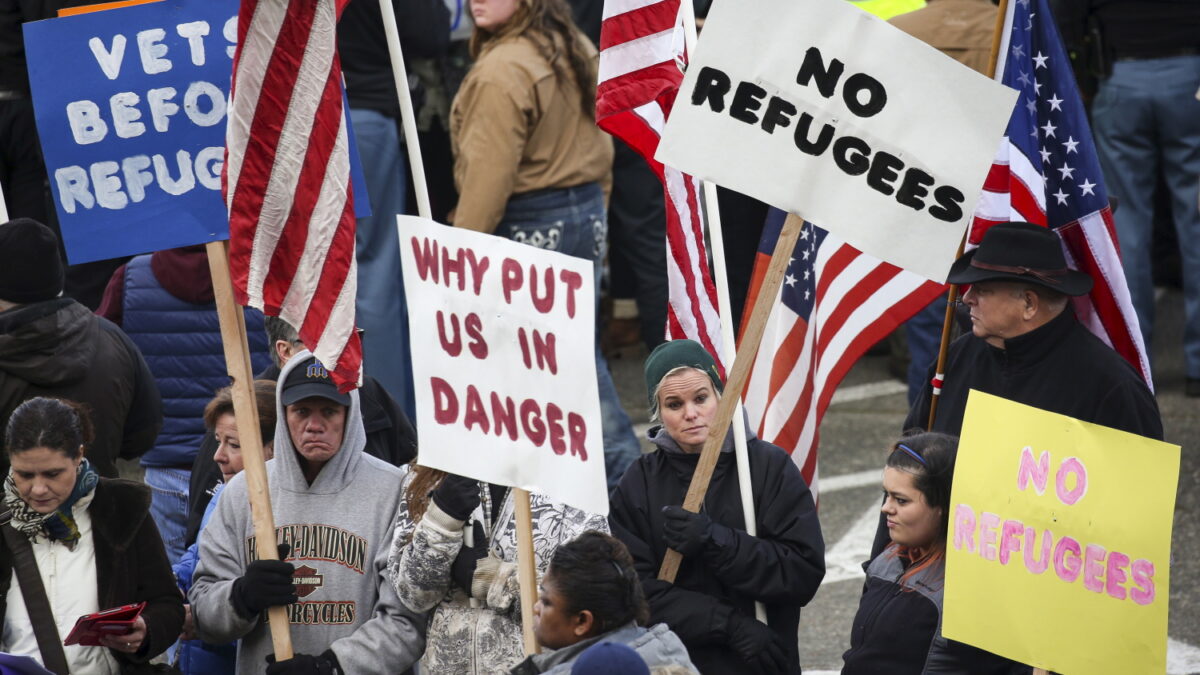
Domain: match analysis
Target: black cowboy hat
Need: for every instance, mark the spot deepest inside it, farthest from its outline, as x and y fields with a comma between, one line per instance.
x=1020, y=252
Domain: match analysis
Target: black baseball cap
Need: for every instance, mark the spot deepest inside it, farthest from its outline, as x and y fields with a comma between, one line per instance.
x=310, y=379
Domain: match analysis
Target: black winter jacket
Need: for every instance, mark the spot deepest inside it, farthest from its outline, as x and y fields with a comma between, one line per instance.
x=424, y=30
x=131, y=567
x=782, y=566
x=58, y=348
x=898, y=629
x=1060, y=367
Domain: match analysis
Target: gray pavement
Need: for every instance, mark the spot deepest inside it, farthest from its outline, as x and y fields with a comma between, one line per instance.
x=856, y=430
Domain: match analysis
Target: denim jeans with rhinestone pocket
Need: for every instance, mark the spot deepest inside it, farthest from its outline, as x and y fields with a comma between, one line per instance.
x=572, y=221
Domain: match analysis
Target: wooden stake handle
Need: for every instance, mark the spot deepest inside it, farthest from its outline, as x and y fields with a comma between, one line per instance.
x=245, y=410
x=952, y=295
x=944, y=347
x=1040, y=671
x=526, y=571
x=740, y=372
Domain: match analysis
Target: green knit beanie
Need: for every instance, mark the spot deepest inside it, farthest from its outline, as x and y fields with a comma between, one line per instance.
x=671, y=355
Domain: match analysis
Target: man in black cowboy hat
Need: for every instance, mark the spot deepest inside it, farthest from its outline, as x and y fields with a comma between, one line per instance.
x=1026, y=344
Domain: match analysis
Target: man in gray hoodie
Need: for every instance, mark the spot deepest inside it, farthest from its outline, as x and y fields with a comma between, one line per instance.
x=334, y=508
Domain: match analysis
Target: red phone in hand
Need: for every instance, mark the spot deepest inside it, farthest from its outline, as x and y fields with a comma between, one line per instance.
x=116, y=621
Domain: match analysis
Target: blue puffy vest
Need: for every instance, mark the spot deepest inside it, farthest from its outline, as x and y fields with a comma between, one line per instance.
x=181, y=343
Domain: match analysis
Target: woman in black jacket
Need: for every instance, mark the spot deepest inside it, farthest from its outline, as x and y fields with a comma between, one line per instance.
x=93, y=545
x=725, y=570
x=898, y=625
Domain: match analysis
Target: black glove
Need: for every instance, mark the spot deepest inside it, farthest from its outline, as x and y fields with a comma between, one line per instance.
x=266, y=583
x=462, y=570
x=457, y=496
x=757, y=644
x=685, y=531
x=305, y=664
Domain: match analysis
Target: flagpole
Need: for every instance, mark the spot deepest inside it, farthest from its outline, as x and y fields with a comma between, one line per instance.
x=407, y=117
x=245, y=414
x=997, y=39
x=952, y=293
x=716, y=244
x=736, y=383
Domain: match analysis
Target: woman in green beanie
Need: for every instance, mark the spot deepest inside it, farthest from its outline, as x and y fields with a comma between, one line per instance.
x=724, y=570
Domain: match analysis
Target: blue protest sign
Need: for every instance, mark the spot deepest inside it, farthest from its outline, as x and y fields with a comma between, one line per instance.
x=131, y=107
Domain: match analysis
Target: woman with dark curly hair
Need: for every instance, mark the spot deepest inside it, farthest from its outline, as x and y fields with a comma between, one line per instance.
x=591, y=595
x=454, y=555
x=93, y=544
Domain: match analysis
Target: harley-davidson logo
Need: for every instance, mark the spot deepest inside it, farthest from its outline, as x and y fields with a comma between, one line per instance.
x=306, y=581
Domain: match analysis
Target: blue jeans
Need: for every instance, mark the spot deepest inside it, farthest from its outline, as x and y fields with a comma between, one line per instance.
x=381, y=310
x=572, y=221
x=169, y=506
x=1146, y=119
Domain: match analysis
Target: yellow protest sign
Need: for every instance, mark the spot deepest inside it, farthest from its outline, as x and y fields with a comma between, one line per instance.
x=1058, y=554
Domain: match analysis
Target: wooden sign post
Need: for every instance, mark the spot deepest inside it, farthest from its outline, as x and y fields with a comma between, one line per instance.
x=526, y=344
x=740, y=372
x=245, y=411
x=952, y=293
x=526, y=572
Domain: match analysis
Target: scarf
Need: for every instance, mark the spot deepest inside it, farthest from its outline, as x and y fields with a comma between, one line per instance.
x=59, y=525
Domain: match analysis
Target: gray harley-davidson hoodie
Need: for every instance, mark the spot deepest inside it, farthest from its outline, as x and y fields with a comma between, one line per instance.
x=339, y=529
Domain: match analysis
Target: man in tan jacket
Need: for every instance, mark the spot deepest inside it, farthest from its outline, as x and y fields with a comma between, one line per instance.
x=960, y=29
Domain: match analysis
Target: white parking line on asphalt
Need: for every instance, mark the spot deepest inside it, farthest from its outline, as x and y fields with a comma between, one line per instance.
x=844, y=561
x=851, y=480
x=861, y=392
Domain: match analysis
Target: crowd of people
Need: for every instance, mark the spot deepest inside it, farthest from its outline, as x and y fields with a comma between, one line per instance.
x=412, y=568
x=386, y=566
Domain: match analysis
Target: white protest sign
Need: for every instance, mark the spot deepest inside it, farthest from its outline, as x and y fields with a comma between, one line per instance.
x=823, y=110
x=504, y=368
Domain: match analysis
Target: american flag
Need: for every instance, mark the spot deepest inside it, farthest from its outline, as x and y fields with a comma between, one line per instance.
x=287, y=178
x=641, y=50
x=1047, y=172
x=834, y=304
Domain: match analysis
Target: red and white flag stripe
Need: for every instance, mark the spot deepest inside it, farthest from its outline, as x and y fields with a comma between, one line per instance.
x=287, y=178
x=859, y=301
x=1048, y=154
x=641, y=47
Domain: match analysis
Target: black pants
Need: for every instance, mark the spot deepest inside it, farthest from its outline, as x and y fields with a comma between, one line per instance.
x=22, y=173
x=637, y=252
